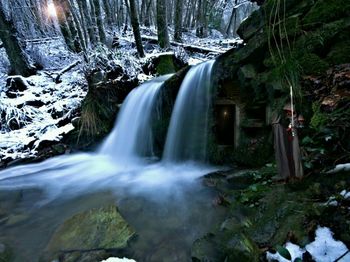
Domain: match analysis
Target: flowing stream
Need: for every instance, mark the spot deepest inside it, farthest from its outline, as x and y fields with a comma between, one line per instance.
x=132, y=135
x=163, y=201
x=188, y=130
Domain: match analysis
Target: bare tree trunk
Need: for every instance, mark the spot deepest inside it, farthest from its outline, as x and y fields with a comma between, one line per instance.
x=162, y=25
x=99, y=20
x=84, y=22
x=65, y=26
x=19, y=62
x=178, y=20
x=89, y=22
x=136, y=28
x=76, y=20
x=93, y=20
x=107, y=8
x=147, y=21
x=126, y=16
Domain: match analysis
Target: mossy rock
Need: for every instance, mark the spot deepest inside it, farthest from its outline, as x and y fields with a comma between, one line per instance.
x=251, y=26
x=207, y=249
x=292, y=7
x=339, y=54
x=99, y=110
x=6, y=254
x=325, y=11
x=242, y=249
x=102, y=228
x=253, y=51
x=290, y=28
x=247, y=72
x=312, y=64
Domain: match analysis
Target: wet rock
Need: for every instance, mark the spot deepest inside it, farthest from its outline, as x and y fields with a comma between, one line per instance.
x=15, y=219
x=251, y=26
x=207, y=249
x=86, y=256
x=96, y=229
x=76, y=122
x=5, y=253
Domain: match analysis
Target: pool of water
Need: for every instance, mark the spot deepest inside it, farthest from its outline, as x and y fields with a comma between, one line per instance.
x=166, y=205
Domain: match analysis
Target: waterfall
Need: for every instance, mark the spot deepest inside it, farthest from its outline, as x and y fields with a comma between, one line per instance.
x=188, y=130
x=131, y=136
x=118, y=164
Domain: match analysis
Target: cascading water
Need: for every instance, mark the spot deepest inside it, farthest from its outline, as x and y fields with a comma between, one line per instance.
x=188, y=129
x=161, y=193
x=132, y=133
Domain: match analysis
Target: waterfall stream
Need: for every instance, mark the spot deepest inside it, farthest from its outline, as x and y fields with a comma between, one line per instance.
x=188, y=130
x=131, y=136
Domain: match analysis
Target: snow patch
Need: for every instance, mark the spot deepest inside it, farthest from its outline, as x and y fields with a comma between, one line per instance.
x=339, y=168
x=116, y=259
x=323, y=249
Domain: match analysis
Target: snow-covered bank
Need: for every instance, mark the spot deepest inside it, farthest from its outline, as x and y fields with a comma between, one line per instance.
x=39, y=113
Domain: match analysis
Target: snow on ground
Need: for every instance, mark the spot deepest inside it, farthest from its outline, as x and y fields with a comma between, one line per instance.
x=323, y=249
x=34, y=115
x=116, y=259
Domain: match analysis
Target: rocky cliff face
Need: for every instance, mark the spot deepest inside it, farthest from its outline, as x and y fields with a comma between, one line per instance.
x=286, y=42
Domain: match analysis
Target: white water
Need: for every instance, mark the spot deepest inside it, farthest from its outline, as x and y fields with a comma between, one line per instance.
x=131, y=136
x=120, y=164
x=188, y=130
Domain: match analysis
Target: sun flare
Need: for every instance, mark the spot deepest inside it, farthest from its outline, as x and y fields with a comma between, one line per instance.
x=51, y=10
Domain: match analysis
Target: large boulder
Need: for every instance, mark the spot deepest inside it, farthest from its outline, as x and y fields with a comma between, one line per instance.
x=102, y=230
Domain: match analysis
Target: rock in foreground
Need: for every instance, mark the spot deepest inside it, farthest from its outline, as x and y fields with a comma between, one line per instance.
x=90, y=233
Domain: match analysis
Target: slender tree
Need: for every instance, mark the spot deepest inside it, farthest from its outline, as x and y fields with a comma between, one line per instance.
x=178, y=20
x=162, y=25
x=108, y=10
x=19, y=62
x=83, y=5
x=67, y=26
x=99, y=20
x=76, y=19
x=136, y=28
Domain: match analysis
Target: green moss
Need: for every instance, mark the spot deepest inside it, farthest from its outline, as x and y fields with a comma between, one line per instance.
x=102, y=228
x=288, y=28
x=165, y=65
x=318, y=119
x=339, y=54
x=312, y=64
x=325, y=11
x=6, y=255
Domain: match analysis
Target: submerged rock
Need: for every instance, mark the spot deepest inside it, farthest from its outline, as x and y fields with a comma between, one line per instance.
x=5, y=253
x=93, y=232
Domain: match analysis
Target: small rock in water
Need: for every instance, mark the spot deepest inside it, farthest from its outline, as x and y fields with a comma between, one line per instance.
x=2, y=248
x=16, y=219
